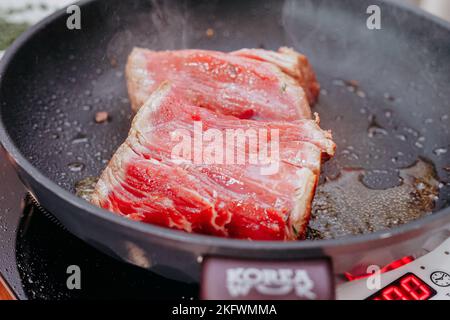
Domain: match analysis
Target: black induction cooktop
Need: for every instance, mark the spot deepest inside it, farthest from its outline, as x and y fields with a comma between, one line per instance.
x=35, y=253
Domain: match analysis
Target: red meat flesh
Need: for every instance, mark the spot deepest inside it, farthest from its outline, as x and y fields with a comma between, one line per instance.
x=144, y=182
x=290, y=62
x=253, y=84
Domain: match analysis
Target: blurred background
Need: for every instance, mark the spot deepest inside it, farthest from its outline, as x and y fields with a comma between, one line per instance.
x=17, y=15
x=440, y=8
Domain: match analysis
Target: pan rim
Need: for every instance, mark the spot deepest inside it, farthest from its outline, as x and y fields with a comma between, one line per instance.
x=16, y=157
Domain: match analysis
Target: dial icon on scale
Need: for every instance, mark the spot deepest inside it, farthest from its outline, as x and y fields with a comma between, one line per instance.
x=440, y=278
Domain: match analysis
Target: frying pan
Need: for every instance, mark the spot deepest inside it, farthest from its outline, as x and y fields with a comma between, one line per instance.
x=53, y=80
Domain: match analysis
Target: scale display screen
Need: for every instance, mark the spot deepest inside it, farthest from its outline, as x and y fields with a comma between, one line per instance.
x=407, y=287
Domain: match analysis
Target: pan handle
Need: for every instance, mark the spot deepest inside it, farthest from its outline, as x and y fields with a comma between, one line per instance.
x=231, y=279
x=5, y=292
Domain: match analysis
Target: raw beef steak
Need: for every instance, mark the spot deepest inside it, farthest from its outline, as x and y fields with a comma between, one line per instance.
x=146, y=181
x=248, y=84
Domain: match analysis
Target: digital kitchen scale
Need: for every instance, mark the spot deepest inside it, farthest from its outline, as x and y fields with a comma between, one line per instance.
x=426, y=278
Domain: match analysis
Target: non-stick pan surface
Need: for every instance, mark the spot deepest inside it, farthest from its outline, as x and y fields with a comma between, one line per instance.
x=385, y=97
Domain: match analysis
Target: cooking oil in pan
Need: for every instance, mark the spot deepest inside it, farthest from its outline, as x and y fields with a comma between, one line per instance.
x=85, y=188
x=353, y=202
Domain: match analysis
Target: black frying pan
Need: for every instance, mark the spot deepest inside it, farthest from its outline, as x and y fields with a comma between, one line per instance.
x=386, y=97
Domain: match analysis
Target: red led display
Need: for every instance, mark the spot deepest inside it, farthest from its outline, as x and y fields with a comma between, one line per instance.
x=408, y=287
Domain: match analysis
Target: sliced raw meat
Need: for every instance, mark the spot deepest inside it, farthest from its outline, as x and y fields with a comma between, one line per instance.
x=292, y=63
x=145, y=182
x=230, y=84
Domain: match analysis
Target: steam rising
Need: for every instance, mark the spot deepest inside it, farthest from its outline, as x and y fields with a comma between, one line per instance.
x=162, y=25
x=295, y=14
x=172, y=24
